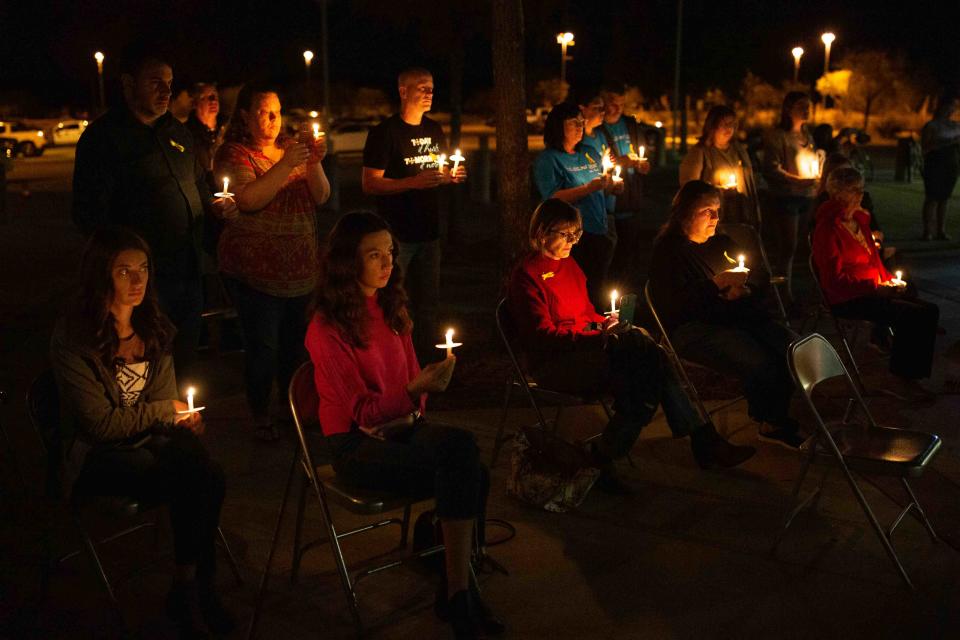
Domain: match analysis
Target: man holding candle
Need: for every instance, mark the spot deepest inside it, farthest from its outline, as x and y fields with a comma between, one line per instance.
x=401, y=167
x=136, y=166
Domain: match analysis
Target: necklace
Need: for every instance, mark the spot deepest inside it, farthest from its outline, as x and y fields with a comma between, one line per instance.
x=129, y=337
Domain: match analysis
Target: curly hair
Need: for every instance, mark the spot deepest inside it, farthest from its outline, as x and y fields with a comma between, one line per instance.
x=91, y=321
x=237, y=130
x=338, y=297
x=684, y=206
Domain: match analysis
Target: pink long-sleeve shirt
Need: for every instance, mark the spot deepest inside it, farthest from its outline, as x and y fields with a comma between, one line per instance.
x=361, y=387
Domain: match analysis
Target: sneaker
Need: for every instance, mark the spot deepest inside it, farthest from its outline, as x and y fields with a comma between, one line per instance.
x=783, y=436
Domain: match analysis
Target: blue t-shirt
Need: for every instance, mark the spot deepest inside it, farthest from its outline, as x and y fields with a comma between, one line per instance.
x=557, y=170
x=621, y=137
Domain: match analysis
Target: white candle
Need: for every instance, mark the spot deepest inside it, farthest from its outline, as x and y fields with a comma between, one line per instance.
x=613, y=301
x=226, y=185
x=732, y=181
x=442, y=161
x=607, y=164
x=190, y=392
x=449, y=345
x=642, y=150
x=457, y=158
x=898, y=279
x=741, y=259
x=616, y=174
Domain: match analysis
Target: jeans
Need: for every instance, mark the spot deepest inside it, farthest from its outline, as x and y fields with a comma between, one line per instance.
x=273, y=333
x=173, y=469
x=638, y=373
x=420, y=264
x=755, y=353
x=427, y=458
x=182, y=300
x=594, y=254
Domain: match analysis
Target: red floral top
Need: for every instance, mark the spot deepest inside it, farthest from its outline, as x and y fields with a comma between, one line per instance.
x=273, y=250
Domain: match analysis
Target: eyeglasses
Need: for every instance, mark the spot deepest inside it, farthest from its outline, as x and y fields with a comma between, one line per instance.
x=569, y=236
x=577, y=122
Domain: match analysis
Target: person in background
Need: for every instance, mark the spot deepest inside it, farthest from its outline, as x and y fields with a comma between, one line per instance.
x=129, y=434
x=205, y=126
x=564, y=171
x=401, y=168
x=715, y=316
x=940, y=140
x=268, y=251
x=625, y=138
x=857, y=285
x=136, y=166
x=791, y=192
x=719, y=159
x=372, y=403
x=572, y=348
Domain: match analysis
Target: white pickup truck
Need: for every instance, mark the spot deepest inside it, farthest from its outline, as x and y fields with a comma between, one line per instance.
x=30, y=140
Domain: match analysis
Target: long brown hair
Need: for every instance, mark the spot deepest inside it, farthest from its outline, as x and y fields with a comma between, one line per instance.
x=338, y=297
x=786, y=111
x=712, y=122
x=90, y=320
x=237, y=130
x=684, y=207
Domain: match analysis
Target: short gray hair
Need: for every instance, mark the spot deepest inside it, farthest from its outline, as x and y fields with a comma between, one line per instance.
x=844, y=179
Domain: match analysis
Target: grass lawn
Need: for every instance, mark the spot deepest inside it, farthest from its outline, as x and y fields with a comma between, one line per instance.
x=898, y=207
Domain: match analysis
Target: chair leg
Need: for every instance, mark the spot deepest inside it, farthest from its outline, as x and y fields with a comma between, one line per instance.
x=798, y=505
x=498, y=441
x=923, y=516
x=298, y=533
x=234, y=567
x=405, y=527
x=94, y=557
x=262, y=588
x=556, y=419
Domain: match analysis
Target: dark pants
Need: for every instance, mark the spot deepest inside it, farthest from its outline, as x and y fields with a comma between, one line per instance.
x=628, y=237
x=639, y=375
x=182, y=301
x=428, y=458
x=273, y=332
x=755, y=353
x=593, y=254
x=172, y=469
x=420, y=263
x=789, y=215
x=914, y=324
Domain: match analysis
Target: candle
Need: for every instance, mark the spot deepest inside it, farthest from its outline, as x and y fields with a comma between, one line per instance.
x=442, y=161
x=607, y=164
x=642, y=150
x=449, y=345
x=732, y=181
x=190, y=392
x=457, y=158
x=316, y=131
x=613, y=302
x=616, y=174
x=898, y=279
x=225, y=193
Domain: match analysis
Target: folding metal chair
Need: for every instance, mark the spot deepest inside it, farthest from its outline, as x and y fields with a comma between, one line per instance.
x=681, y=365
x=747, y=237
x=43, y=408
x=519, y=378
x=329, y=488
x=866, y=448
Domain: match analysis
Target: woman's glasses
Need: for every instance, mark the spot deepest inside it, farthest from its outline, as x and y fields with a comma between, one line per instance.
x=570, y=236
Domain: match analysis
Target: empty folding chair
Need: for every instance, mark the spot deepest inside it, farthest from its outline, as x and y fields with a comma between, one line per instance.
x=865, y=448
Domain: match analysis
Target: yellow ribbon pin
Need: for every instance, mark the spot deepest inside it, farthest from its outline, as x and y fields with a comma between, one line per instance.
x=548, y=274
x=178, y=147
x=729, y=259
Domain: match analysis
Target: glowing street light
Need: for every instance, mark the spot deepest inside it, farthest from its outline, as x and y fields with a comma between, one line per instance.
x=828, y=39
x=98, y=56
x=797, y=53
x=564, y=40
x=307, y=59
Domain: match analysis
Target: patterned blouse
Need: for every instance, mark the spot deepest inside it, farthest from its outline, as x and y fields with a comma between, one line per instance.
x=273, y=250
x=131, y=377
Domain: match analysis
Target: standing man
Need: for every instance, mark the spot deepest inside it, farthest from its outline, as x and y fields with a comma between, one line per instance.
x=136, y=167
x=624, y=137
x=401, y=168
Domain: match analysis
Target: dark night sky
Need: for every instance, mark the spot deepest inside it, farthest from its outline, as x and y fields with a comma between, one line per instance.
x=46, y=46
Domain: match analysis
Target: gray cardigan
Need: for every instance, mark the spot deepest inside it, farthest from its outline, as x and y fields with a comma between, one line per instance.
x=90, y=410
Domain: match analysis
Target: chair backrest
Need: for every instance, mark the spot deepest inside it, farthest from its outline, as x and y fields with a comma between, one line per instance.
x=508, y=336
x=304, y=404
x=43, y=409
x=812, y=360
x=816, y=274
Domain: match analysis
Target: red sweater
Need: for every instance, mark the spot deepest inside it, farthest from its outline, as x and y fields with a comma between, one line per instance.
x=550, y=307
x=847, y=269
x=361, y=386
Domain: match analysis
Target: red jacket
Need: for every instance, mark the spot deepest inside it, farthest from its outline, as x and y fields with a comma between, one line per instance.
x=845, y=268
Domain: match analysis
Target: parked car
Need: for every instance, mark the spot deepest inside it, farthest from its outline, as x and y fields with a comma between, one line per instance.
x=30, y=140
x=68, y=131
x=348, y=138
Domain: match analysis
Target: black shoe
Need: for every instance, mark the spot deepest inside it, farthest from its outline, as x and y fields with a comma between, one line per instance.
x=183, y=607
x=483, y=617
x=460, y=615
x=785, y=433
x=610, y=482
x=218, y=618
x=710, y=450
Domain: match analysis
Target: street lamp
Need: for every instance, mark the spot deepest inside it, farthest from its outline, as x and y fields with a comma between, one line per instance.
x=797, y=53
x=828, y=39
x=564, y=40
x=307, y=59
x=98, y=56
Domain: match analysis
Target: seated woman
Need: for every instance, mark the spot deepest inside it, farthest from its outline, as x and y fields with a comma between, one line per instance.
x=857, y=285
x=111, y=358
x=372, y=397
x=571, y=348
x=716, y=316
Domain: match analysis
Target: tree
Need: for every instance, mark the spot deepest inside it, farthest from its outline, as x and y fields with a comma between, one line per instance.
x=878, y=81
x=551, y=92
x=513, y=184
x=758, y=94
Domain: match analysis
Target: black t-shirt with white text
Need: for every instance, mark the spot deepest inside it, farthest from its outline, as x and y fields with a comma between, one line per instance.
x=403, y=150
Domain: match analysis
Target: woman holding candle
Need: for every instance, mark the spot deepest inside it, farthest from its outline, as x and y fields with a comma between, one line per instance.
x=564, y=171
x=719, y=159
x=572, y=348
x=111, y=358
x=372, y=397
x=857, y=285
x=716, y=315
x=268, y=253
x=791, y=184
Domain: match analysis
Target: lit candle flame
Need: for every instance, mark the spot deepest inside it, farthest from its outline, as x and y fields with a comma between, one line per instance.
x=607, y=164
x=457, y=158
x=442, y=161
x=190, y=393
x=226, y=184
x=642, y=151
x=741, y=259
x=616, y=173
x=613, y=301
x=316, y=131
